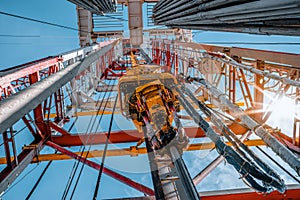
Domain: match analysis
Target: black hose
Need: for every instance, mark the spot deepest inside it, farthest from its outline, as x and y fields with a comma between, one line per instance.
x=246, y=169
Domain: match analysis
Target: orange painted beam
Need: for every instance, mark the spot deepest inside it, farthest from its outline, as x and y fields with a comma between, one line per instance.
x=132, y=151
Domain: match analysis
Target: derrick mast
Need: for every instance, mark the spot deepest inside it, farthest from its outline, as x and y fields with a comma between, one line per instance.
x=152, y=98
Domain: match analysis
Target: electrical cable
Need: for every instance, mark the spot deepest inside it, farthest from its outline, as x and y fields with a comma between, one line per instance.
x=248, y=170
x=42, y=22
x=20, y=36
x=235, y=141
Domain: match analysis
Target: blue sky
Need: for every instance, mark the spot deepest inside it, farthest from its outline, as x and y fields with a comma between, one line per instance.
x=207, y=36
x=49, y=41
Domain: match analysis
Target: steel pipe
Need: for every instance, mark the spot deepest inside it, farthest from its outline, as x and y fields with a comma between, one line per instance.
x=97, y=6
x=234, y=16
x=250, y=7
x=197, y=7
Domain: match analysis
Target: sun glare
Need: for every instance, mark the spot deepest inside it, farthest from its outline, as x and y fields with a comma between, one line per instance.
x=283, y=112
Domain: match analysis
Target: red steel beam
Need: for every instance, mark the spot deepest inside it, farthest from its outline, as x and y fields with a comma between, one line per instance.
x=25, y=70
x=115, y=137
x=229, y=195
x=238, y=194
x=107, y=171
x=57, y=128
x=124, y=136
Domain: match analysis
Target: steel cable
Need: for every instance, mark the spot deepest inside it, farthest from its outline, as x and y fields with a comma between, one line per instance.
x=99, y=121
x=82, y=148
x=105, y=149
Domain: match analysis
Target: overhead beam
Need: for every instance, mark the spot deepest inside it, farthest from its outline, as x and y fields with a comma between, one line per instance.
x=108, y=34
x=124, y=136
x=109, y=112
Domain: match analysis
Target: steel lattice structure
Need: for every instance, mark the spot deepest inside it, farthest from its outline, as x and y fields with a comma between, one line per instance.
x=222, y=93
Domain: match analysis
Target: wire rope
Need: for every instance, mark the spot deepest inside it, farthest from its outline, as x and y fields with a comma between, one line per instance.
x=46, y=168
x=39, y=180
x=104, y=153
x=76, y=163
x=89, y=131
x=99, y=121
x=19, y=36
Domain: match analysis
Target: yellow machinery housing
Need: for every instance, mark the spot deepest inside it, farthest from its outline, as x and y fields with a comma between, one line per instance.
x=146, y=91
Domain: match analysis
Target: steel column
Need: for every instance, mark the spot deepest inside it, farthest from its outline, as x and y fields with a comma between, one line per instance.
x=259, y=92
x=135, y=22
x=232, y=83
x=296, y=128
x=7, y=149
